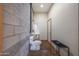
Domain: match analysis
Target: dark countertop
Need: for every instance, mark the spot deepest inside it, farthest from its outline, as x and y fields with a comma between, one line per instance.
x=59, y=44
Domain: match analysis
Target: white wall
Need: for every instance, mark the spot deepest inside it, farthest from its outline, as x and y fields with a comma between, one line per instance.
x=65, y=25
x=41, y=20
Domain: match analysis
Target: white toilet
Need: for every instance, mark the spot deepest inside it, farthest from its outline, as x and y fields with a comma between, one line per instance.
x=34, y=38
x=34, y=44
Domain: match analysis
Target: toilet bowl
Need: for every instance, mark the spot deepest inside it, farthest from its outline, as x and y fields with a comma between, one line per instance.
x=34, y=44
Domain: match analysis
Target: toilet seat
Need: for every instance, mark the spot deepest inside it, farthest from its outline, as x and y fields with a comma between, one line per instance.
x=36, y=42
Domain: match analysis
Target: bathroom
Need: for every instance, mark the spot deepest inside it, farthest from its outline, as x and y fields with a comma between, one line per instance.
x=38, y=29
x=45, y=27
x=39, y=25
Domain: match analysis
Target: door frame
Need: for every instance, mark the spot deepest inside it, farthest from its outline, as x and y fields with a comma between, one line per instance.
x=1, y=29
x=49, y=20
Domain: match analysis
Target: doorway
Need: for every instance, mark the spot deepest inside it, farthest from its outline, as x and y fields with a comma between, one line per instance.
x=49, y=33
x=49, y=28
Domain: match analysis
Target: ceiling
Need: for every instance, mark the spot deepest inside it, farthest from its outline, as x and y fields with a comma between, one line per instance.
x=36, y=7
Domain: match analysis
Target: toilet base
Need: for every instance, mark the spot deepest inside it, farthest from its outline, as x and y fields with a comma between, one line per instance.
x=35, y=48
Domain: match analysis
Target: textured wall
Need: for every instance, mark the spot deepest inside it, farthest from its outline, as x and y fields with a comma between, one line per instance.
x=65, y=25
x=16, y=29
x=41, y=20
